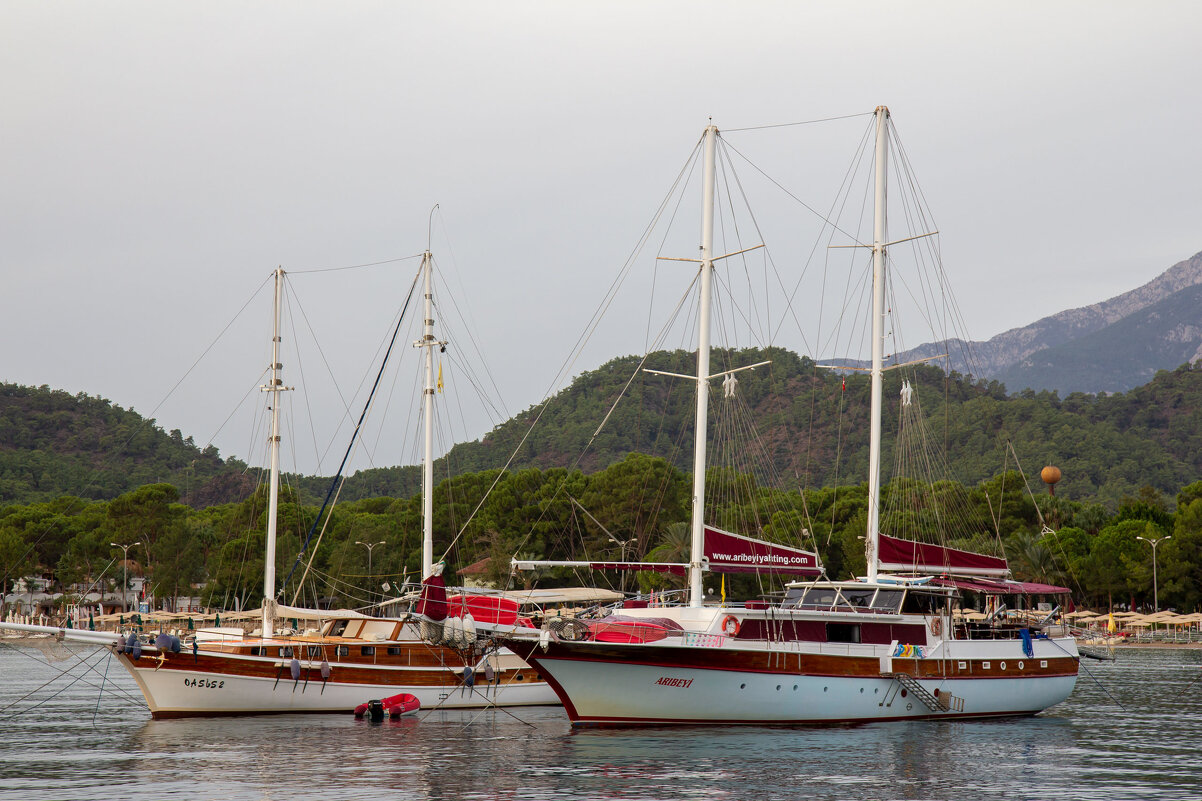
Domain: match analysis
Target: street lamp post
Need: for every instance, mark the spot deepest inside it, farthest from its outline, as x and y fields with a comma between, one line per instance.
x=370, y=546
x=125, y=571
x=1155, y=589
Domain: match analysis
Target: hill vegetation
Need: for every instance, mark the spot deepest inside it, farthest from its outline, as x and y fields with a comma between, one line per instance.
x=642, y=501
x=813, y=424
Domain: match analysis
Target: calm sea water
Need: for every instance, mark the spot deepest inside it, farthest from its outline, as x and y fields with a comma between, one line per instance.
x=1132, y=730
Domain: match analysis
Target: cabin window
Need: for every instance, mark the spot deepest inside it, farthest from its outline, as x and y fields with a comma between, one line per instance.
x=922, y=603
x=286, y=652
x=821, y=596
x=337, y=629
x=256, y=650
x=888, y=599
x=842, y=632
x=343, y=650
x=857, y=597
x=394, y=650
x=367, y=650
x=793, y=596
x=314, y=651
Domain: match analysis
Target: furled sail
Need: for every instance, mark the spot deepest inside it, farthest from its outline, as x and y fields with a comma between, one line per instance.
x=917, y=557
x=724, y=553
x=732, y=553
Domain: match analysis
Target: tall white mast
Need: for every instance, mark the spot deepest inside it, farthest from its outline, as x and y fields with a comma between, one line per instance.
x=872, y=543
x=429, y=343
x=274, y=386
x=696, y=596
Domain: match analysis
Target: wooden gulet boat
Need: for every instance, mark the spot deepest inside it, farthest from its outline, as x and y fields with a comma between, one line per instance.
x=883, y=647
x=346, y=657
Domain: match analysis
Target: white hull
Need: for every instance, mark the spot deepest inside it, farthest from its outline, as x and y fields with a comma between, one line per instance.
x=227, y=684
x=172, y=692
x=626, y=691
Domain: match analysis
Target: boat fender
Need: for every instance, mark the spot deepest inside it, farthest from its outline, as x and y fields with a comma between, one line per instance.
x=129, y=643
x=731, y=626
x=136, y=648
x=294, y=668
x=936, y=625
x=163, y=641
x=469, y=677
x=325, y=670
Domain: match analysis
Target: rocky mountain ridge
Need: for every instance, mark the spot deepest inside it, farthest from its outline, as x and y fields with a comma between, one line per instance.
x=996, y=357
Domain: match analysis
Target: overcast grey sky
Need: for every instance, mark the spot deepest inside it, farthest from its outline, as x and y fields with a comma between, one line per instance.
x=159, y=160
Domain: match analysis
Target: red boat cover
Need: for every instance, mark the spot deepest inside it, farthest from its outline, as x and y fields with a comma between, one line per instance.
x=485, y=608
x=898, y=554
x=626, y=631
x=433, y=603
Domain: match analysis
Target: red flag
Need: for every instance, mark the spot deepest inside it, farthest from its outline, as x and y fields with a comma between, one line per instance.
x=844, y=387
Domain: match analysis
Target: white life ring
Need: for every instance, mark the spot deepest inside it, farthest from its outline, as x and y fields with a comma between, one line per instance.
x=936, y=625
x=731, y=626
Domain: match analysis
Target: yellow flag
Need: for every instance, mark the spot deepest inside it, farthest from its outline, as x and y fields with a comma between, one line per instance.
x=724, y=589
x=440, y=376
x=1110, y=625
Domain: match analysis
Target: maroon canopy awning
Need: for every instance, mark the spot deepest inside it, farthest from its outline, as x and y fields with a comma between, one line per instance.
x=990, y=587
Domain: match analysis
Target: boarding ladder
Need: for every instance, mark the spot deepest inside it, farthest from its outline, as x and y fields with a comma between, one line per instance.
x=932, y=702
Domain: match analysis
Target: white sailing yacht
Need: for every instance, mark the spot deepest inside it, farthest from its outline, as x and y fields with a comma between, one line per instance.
x=882, y=647
x=348, y=657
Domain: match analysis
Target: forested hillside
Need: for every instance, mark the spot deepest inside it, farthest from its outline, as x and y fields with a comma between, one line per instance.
x=641, y=501
x=815, y=426
x=812, y=423
x=53, y=443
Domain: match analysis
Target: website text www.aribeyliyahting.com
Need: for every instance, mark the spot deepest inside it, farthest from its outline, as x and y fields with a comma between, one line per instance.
x=760, y=559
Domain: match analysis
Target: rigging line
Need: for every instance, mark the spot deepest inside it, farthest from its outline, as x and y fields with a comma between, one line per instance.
x=354, y=437
x=253, y=386
x=79, y=660
x=356, y=266
x=591, y=327
x=687, y=171
x=329, y=370
x=1089, y=673
x=804, y=122
x=608, y=299
x=798, y=200
x=147, y=420
x=300, y=368
x=392, y=387
x=470, y=336
x=638, y=368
